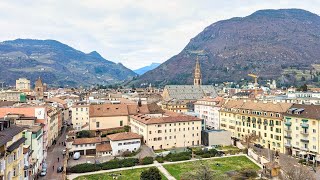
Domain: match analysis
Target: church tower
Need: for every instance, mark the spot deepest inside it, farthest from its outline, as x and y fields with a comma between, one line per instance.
x=39, y=89
x=197, y=74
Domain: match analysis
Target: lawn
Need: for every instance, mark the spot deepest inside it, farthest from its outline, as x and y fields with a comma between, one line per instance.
x=132, y=174
x=227, y=148
x=226, y=164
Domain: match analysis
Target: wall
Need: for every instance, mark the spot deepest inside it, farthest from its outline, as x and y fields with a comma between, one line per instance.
x=80, y=116
x=107, y=122
x=133, y=145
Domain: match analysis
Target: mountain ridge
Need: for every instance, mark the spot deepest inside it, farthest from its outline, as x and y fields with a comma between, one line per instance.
x=266, y=42
x=145, y=69
x=57, y=63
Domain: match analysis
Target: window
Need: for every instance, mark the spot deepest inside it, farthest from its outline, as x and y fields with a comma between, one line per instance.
x=314, y=131
x=119, y=144
x=97, y=124
x=121, y=123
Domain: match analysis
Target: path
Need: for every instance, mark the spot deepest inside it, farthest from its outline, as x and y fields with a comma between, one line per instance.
x=164, y=171
x=73, y=176
x=54, y=152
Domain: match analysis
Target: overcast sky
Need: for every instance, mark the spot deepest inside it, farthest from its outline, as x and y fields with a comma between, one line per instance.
x=135, y=33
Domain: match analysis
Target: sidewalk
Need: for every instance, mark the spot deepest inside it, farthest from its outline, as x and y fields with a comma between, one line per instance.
x=166, y=173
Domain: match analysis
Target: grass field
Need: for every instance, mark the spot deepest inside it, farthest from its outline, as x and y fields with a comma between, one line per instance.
x=132, y=174
x=226, y=164
x=227, y=148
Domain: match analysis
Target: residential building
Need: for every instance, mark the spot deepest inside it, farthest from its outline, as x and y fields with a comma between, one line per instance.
x=80, y=116
x=301, y=131
x=208, y=109
x=34, y=139
x=22, y=84
x=11, y=95
x=86, y=146
x=124, y=142
x=180, y=106
x=11, y=151
x=168, y=130
x=265, y=119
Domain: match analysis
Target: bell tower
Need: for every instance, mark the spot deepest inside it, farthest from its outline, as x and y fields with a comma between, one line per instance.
x=197, y=74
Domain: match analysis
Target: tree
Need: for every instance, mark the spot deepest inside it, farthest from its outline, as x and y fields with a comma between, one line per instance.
x=152, y=173
x=315, y=79
x=250, y=138
x=294, y=172
x=201, y=171
x=83, y=134
x=303, y=88
x=303, y=78
x=126, y=128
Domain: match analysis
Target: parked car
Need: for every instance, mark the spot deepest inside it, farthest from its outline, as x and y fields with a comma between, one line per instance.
x=43, y=172
x=258, y=146
x=59, y=169
x=76, y=155
x=64, y=152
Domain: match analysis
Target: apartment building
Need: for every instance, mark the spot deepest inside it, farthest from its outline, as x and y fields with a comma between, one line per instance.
x=80, y=116
x=301, y=131
x=22, y=84
x=11, y=151
x=208, y=109
x=167, y=131
x=265, y=119
x=11, y=95
x=124, y=142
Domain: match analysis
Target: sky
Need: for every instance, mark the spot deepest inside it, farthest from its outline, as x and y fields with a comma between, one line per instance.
x=135, y=33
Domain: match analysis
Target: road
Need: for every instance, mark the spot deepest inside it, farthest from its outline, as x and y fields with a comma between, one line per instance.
x=55, y=152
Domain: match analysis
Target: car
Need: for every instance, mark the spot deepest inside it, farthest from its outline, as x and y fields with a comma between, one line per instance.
x=43, y=172
x=258, y=146
x=64, y=152
x=76, y=155
x=59, y=169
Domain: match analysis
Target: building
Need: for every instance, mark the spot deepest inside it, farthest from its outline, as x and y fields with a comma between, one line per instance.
x=189, y=92
x=11, y=151
x=39, y=89
x=265, y=119
x=208, y=109
x=216, y=137
x=301, y=131
x=22, y=84
x=80, y=116
x=124, y=142
x=179, y=106
x=34, y=140
x=12, y=95
x=167, y=131
x=86, y=146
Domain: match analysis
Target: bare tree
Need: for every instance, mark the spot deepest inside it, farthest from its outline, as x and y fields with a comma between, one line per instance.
x=294, y=172
x=250, y=138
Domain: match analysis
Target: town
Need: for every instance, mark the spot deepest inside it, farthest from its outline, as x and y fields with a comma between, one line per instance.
x=65, y=133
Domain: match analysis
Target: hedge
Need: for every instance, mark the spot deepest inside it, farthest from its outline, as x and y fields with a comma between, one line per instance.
x=147, y=160
x=178, y=156
x=160, y=159
x=82, y=168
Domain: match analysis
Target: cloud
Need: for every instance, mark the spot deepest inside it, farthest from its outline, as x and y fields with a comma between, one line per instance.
x=134, y=33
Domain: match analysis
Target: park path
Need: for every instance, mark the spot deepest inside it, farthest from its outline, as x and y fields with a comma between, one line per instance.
x=164, y=171
x=73, y=176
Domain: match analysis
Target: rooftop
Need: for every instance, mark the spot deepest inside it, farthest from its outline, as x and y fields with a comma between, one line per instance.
x=103, y=147
x=308, y=111
x=164, y=119
x=123, y=136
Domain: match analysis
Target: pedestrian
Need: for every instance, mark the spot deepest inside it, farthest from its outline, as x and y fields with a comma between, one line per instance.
x=53, y=167
x=58, y=159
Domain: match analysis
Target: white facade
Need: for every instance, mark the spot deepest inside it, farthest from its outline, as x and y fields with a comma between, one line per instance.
x=121, y=146
x=80, y=116
x=208, y=110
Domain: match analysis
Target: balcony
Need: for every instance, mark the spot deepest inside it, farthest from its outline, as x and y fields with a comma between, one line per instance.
x=304, y=148
x=288, y=137
x=304, y=140
x=304, y=132
x=288, y=145
x=288, y=129
x=288, y=123
x=303, y=125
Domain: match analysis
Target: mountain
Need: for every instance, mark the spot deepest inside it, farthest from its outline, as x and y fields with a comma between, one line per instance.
x=57, y=64
x=146, y=68
x=275, y=44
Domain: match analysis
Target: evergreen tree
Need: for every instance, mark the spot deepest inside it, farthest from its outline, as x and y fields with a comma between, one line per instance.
x=151, y=174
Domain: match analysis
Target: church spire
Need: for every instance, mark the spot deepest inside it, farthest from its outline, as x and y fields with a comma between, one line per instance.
x=197, y=74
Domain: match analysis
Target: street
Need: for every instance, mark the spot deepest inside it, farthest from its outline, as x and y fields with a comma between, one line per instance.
x=55, y=152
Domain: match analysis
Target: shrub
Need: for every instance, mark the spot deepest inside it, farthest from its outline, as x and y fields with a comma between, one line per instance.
x=301, y=161
x=160, y=159
x=84, y=134
x=113, y=164
x=82, y=168
x=147, y=160
x=152, y=173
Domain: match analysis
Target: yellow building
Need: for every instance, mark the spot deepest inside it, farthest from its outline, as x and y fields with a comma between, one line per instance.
x=11, y=151
x=301, y=131
x=167, y=131
x=22, y=84
x=264, y=119
x=179, y=106
x=80, y=116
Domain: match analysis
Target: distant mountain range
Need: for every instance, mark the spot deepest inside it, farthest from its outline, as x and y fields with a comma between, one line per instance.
x=145, y=69
x=57, y=64
x=275, y=44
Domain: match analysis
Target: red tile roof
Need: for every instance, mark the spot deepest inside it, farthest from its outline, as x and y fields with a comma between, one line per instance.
x=123, y=136
x=106, y=147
